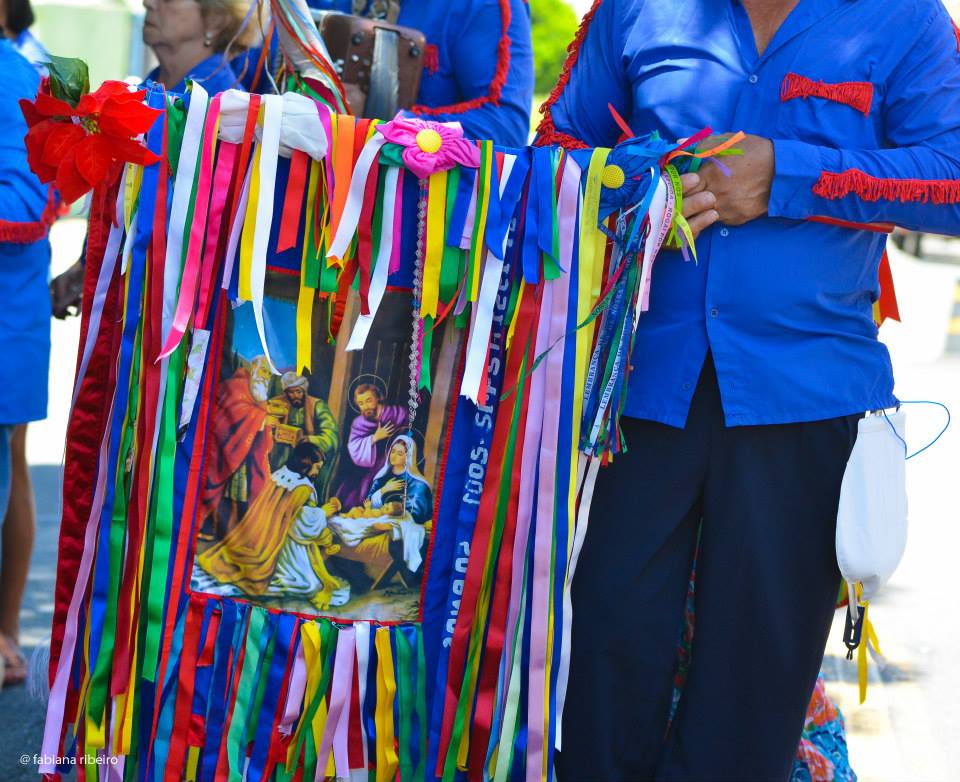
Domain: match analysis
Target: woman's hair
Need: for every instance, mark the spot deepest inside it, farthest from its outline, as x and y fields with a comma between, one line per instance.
x=233, y=13
x=19, y=15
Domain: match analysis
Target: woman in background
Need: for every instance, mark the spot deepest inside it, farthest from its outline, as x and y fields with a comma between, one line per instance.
x=189, y=38
x=19, y=18
x=24, y=342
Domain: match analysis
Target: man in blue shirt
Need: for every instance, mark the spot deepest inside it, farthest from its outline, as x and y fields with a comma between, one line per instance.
x=753, y=366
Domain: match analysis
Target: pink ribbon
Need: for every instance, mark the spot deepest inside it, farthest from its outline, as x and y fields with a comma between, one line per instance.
x=397, y=226
x=221, y=186
x=191, y=269
x=556, y=297
x=338, y=714
x=298, y=686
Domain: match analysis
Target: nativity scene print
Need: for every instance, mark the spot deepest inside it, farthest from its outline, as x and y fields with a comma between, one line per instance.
x=319, y=491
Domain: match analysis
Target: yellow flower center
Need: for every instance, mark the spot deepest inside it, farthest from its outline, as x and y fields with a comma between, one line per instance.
x=429, y=140
x=613, y=177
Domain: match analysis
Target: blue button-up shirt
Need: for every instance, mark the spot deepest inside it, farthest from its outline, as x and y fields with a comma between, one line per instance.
x=784, y=304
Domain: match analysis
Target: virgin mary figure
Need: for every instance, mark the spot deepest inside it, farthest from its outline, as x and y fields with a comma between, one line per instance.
x=400, y=485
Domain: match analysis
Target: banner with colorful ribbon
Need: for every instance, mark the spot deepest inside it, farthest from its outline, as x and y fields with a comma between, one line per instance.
x=331, y=514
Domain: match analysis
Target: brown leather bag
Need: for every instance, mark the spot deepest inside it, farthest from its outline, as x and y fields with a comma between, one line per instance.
x=379, y=63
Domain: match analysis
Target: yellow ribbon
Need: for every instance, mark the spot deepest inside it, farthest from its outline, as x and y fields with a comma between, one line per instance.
x=436, y=228
x=131, y=188
x=516, y=314
x=477, y=251
x=193, y=760
x=249, y=224
x=387, y=760
x=869, y=638
x=310, y=638
x=306, y=296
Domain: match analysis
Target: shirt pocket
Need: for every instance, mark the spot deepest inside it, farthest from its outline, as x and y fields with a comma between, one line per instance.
x=830, y=101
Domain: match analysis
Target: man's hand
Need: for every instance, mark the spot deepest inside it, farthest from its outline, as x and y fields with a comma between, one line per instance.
x=384, y=431
x=698, y=204
x=66, y=292
x=745, y=194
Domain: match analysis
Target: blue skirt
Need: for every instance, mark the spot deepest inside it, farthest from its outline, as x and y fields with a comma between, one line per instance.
x=24, y=331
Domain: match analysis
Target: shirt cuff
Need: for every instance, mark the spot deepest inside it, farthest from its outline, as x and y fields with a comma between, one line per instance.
x=798, y=166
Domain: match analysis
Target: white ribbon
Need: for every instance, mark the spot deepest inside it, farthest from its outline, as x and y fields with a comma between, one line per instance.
x=482, y=319
x=661, y=216
x=381, y=270
x=301, y=128
x=358, y=184
x=182, y=191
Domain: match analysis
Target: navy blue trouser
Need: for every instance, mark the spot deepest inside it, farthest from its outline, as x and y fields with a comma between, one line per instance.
x=767, y=581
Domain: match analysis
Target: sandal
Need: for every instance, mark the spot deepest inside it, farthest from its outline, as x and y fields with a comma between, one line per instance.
x=14, y=663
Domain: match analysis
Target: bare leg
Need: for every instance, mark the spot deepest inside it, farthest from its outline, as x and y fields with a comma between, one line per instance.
x=19, y=531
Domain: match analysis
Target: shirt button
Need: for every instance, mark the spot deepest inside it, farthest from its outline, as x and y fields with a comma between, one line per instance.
x=714, y=312
x=686, y=386
x=753, y=78
x=724, y=232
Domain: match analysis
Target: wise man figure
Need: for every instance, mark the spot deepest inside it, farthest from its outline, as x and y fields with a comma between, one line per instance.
x=299, y=417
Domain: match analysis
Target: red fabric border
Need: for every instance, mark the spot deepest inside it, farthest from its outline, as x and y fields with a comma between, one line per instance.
x=547, y=133
x=496, y=84
x=88, y=417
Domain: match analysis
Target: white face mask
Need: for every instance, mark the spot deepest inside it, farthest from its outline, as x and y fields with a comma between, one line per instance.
x=872, y=516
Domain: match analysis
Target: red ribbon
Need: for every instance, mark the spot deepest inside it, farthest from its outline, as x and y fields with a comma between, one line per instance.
x=293, y=201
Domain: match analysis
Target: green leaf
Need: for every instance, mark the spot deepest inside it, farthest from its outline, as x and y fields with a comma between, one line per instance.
x=69, y=78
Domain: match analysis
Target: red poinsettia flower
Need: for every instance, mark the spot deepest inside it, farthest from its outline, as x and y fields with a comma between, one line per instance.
x=75, y=147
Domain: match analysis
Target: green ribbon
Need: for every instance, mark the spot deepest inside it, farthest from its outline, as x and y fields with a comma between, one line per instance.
x=328, y=647
x=100, y=678
x=405, y=702
x=161, y=531
x=236, y=733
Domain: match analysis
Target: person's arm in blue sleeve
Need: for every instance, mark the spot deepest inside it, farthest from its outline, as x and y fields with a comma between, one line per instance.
x=914, y=183
x=594, y=75
x=496, y=91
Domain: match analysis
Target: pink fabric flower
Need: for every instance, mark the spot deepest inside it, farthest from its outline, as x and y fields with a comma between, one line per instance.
x=430, y=147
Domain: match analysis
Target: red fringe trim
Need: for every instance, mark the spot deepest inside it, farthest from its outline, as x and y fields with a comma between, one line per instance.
x=547, y=133
x=496, y=84
x=13, y=232
x=431, y=58
x=856, y=94
x=868, y=188
x=956, y=32
x=22, y=233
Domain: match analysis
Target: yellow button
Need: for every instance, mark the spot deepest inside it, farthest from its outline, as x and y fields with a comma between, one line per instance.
x=429, y=140
x=613, y=177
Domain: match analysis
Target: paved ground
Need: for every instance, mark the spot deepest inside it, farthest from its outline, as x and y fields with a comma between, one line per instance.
x=907, y=728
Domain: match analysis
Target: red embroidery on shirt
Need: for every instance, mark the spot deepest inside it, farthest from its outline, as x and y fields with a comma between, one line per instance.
x=431, y=58
x=868, y=188
x=496, y=84
x=856, y=94
x=14, y=232
x=547, y=132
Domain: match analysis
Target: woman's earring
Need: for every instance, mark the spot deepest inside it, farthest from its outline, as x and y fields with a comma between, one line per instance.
x=208, y=39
